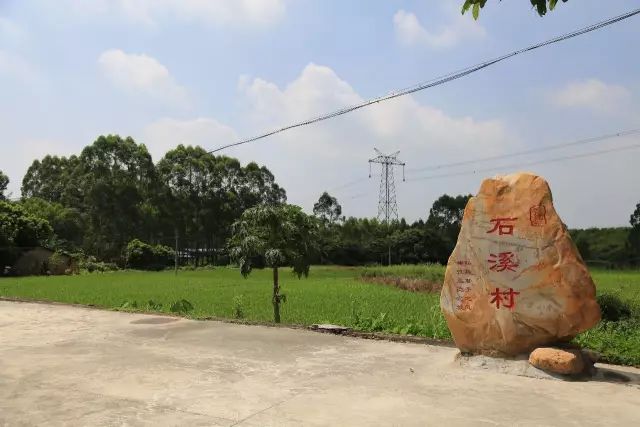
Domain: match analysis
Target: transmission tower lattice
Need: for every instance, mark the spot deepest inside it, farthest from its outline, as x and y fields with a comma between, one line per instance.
x=387, y=204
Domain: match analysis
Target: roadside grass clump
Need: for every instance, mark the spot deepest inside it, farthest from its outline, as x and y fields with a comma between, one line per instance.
x=153, y=306
x=617, y=342
x=181, y=306
x=238, y=310
x=129, y=306
x=429, y=324
x=617, y=336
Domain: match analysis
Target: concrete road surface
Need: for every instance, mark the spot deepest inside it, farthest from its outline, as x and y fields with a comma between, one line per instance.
x=62, y=365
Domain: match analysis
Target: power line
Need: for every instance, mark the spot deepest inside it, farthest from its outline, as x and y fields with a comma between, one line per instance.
x=348, y=184
x=533, y=150
x=519, y=165
x=437, y=81
x=589, y=140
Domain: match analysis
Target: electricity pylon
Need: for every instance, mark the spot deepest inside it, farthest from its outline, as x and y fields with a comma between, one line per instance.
x=387, y=204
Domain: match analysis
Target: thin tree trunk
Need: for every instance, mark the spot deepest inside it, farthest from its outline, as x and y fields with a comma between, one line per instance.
x=276, y=296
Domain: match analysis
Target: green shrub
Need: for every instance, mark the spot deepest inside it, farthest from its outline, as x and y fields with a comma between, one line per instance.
x=91, y=265
x=617, y=342
x=182, y=306
x=57, y=263
x=129, y=305
x=238, y=310
x=143, y=256
x=153, y=306
x=613, y=308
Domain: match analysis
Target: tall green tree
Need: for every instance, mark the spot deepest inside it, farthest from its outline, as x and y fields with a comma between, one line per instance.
x=191, y=183
x=446, y=215
x=257, y=185
x=327, y=208
x=4, y=182
x=541, y=6
x=634, y=233
x=283, y=235
x=51, y=179
x=115, y=177
x=204, y=194
x=106, y=191
x=419, y=245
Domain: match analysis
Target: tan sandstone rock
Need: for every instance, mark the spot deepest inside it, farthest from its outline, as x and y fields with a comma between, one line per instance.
x=515, y=280
x=566, y=362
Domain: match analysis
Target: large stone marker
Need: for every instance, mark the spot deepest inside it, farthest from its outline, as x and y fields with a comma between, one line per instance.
x=515, y=280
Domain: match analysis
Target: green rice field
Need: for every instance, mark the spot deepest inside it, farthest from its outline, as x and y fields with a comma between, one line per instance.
x=335, y=295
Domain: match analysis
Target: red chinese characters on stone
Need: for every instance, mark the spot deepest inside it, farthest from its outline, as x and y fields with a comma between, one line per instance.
x=464, y=304
x=505, y=298
x=502, y=226
x=463, y=285
x=538, y=215
x=503, y=261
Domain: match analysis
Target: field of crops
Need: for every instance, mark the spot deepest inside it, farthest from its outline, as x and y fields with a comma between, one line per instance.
x=337, y=295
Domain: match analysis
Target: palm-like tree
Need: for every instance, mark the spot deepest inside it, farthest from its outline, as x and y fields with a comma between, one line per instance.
x=283, y=235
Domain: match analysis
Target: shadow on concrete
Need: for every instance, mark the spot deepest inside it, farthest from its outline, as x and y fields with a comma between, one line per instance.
x=614, y=374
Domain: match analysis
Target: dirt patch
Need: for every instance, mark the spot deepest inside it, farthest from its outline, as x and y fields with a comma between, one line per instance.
x=407, y=283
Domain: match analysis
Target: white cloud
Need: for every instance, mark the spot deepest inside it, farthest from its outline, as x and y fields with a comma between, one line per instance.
x=10, y=31
x=139, y=73
x=592, y=94
x=322, y=156
x=208, y=12
x=165, y=134
x=16, y=67
x=409, y=30
x=325, y=155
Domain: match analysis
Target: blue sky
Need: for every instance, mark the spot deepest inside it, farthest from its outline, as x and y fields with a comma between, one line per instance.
x=210, y=72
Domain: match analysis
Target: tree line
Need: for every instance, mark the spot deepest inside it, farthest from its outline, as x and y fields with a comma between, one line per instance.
x=112, y=193
x=114, y=204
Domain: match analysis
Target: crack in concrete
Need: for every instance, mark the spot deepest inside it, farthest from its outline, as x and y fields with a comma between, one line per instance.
x=264, y=410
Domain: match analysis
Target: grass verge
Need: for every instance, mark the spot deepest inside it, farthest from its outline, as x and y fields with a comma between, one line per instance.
x=330, y=295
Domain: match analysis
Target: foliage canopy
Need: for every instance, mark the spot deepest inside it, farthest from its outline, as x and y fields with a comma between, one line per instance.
x=541, y=6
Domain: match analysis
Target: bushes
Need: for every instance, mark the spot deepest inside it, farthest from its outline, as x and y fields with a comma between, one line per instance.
x=61, y=262
x=143, y=256
x=613, y=308
x=19, y=230
x=617, y=342
x=90, y=265
x=617, y=336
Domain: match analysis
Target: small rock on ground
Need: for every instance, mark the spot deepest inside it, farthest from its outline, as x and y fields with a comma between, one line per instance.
x=559, y=361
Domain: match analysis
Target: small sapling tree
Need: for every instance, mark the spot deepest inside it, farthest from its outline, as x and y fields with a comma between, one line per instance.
x=282, y=235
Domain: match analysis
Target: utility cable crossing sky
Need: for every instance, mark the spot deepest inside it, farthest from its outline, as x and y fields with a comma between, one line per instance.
x=514, y=165
x=437, y=81
x=565, y=145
